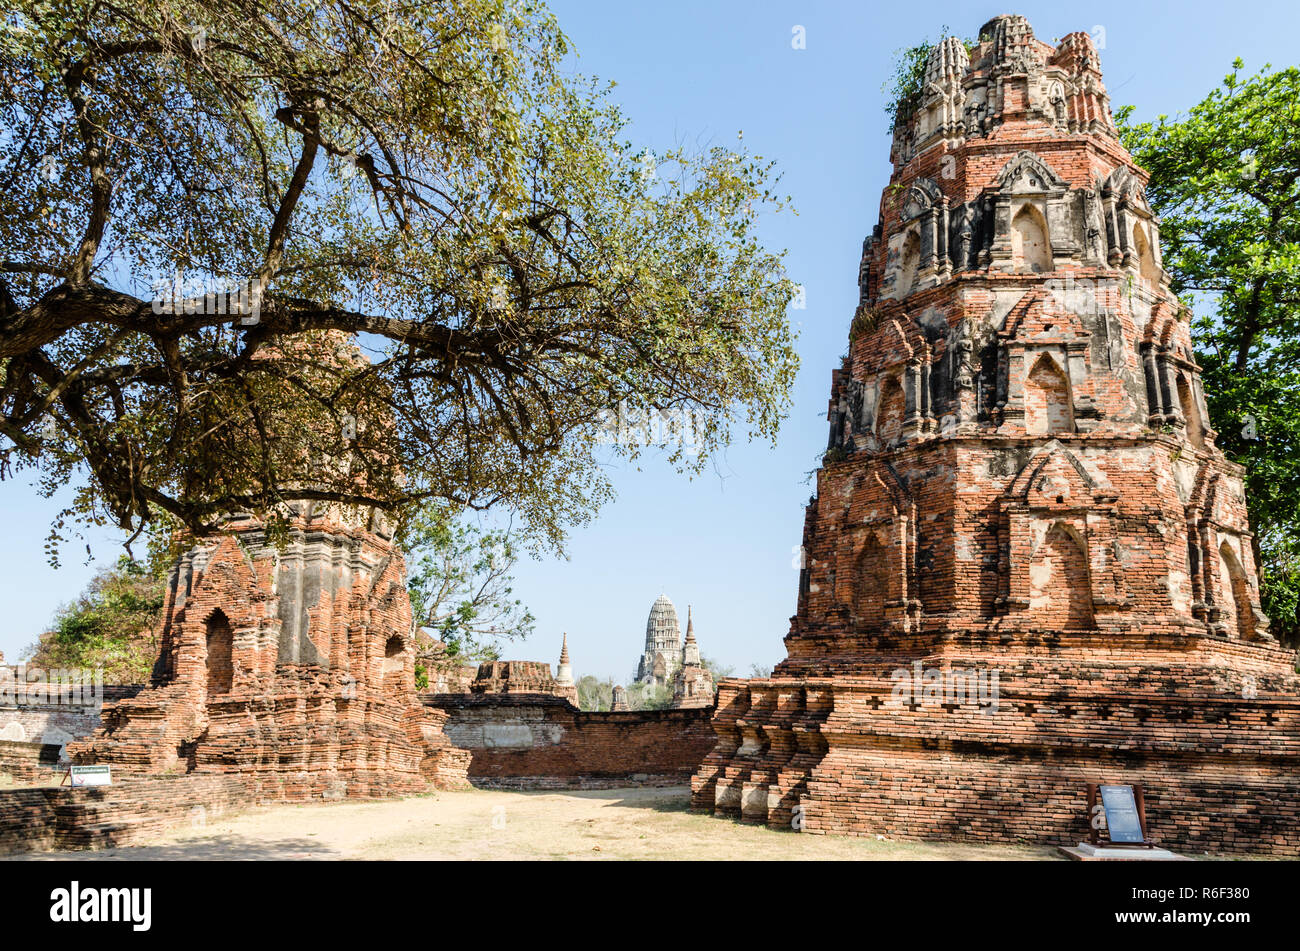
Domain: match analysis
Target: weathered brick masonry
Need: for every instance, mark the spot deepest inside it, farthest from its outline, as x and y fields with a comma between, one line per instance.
x=1021, y=478
x=128, y=812
x=52, y=718
x=292, y=668
x=36, y=728
x=540, y=742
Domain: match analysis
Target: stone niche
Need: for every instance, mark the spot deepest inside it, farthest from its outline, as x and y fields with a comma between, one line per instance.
x=291, y=666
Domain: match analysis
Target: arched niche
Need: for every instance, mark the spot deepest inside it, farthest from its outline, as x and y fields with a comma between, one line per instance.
x=1239, y=615
x=1048, y=405
x=1145, y=253
x=891, y=412
x=1030, y=248
x=219, y=640
x=909, y=264
x=394, y=649
x=871, y=583
x=1191, y=411
x=1060, y=584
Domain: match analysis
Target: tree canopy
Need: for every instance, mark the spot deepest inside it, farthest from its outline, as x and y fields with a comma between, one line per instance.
x=1225, y=180
x=205, y=205
x=112, y=626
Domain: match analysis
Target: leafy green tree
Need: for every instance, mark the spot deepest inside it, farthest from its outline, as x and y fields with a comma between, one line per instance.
x=642, y=696
x=1225, y=180
x=594, y=693
x=461, y=587
x=112, y=626
x=426, y=178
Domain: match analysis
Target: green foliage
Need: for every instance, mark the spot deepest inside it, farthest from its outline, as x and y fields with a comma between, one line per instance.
x=421, y=676
x=428, y=180
x=641, y=696
x=1225, y=180
x=717, y=668
x=110, y=626
x=904, y=87
x=594, y=693
x=461, y=587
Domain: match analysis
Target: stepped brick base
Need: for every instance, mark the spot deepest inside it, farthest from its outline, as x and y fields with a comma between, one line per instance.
x=849, y=755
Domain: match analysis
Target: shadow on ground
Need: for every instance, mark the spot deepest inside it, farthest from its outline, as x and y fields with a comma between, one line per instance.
x=205, y=848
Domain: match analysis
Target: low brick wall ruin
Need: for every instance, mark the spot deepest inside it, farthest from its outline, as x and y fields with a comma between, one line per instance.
x=34, y=735
x=42, y=722
x=132, y=810
x=540, y=742
x=31, y=762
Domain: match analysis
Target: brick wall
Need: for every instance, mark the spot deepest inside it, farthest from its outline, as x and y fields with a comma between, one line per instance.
x=30, y=762
x=32, y=722
x=544, y=742
x=129, y=811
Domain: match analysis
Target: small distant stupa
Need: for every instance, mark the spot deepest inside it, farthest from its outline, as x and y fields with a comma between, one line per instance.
x=564, y=685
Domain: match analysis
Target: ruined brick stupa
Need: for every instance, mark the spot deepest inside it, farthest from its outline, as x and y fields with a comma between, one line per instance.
x=1021, y=481
x=291, y=665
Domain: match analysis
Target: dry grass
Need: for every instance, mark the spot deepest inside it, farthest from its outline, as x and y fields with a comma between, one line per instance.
x=488, y=824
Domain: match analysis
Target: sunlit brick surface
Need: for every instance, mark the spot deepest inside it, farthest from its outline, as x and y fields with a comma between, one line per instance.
x=291, y=668
x=1020, y=478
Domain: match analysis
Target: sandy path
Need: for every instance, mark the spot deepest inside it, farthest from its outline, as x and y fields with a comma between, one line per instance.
x=489, y=824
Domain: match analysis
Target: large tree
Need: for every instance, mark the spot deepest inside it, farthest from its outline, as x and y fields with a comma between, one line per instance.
x=1225, y=180
x=422, y=178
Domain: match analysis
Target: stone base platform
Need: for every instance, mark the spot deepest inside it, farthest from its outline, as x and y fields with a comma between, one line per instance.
x=1085, y=852
x=1215, y=745
x=300, y=737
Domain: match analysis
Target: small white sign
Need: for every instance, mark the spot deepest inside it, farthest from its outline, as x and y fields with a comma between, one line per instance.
x=90, y=775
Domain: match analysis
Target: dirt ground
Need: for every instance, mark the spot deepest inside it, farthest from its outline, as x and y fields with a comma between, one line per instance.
x=489, y=824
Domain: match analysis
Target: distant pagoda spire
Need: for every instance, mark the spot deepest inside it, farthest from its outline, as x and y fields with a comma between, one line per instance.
x=564, y=673
x=691, y=649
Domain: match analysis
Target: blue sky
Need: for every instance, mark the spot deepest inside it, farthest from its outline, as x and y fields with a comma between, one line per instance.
x=697, y=73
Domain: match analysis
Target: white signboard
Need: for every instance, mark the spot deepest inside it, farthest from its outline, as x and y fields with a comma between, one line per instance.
x=90, y=775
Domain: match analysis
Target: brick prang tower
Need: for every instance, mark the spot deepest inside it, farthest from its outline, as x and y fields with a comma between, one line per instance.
x=1021, y=489
x=291, y=664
